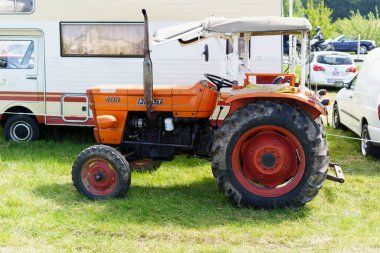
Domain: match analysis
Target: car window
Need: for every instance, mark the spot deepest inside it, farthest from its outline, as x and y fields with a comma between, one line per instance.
x=353, y=82
x=17, y=54
x=16, y=6
x=334, y=59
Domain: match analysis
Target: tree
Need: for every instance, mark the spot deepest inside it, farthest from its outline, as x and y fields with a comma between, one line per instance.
x=320, y=15
x=298, y=9
x=367, y=26
x=342, y=8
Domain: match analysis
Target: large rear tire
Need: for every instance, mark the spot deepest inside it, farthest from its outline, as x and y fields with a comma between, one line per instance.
x=101, y=172
x=269, y=155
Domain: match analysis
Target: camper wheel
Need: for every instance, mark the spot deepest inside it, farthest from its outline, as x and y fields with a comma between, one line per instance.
x=21, y=128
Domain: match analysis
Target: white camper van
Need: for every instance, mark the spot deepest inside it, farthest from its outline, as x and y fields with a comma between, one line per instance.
x=52, y=51
x=357, y=105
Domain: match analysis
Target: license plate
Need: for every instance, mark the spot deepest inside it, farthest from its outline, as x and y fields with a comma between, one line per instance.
x=333, y=80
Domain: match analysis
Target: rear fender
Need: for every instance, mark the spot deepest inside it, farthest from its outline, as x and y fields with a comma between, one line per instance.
x=312, y=108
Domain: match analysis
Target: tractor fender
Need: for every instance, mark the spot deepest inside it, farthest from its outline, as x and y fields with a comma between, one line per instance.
x=313, y=108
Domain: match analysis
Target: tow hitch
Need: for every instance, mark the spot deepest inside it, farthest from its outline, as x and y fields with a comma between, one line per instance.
x=339, y=177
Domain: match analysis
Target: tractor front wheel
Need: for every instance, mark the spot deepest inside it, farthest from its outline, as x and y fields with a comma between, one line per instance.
x=269, y=155
x=101, y=172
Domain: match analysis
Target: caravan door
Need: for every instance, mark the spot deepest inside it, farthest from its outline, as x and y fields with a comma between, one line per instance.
x=75, y=108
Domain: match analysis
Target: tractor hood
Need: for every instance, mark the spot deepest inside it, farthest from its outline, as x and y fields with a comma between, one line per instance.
x=216, y=26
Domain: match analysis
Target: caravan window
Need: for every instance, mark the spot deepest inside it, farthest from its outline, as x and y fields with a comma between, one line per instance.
x=16, y=6
x=102, y=39
x=16, y=54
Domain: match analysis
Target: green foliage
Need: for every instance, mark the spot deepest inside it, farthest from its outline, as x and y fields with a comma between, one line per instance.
x=320, y=15
x=343, y=8
x=298, y=9
x=367, y=26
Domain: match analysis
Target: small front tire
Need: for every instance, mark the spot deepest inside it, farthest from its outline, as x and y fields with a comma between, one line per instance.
x=101, y=172
x=21, y=128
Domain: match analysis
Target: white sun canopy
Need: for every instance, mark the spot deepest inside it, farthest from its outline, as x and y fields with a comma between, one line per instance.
x=213, y=26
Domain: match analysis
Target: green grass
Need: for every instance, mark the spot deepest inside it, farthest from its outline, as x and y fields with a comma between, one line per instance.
x=177, y=208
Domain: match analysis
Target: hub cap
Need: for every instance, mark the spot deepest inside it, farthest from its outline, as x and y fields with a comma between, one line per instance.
x=21, y=131
x=99, y=177
x=268, y=161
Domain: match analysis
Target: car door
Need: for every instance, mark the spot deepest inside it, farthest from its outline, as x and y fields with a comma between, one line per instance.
x=350, y=45
x=18, y=68
x=339, y=44
x=345, y=105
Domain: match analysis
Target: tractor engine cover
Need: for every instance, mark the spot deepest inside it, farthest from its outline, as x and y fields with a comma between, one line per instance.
x=196, y=101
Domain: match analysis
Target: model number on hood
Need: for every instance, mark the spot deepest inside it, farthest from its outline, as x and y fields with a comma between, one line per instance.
x=154, y=101
x=113, y=99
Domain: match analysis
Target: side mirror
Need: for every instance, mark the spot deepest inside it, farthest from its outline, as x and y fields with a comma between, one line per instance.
x=322, y=92
x=205, y=53
x=325, y=102
x=339, y=84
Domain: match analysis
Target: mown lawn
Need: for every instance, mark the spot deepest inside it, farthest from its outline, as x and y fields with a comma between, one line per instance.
x=177, y=208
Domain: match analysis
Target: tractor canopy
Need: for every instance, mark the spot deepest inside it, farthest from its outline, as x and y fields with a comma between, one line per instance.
x=214, y=26
x=232, y=29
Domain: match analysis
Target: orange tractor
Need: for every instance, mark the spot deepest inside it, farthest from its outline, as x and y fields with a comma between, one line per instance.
x=269, y=151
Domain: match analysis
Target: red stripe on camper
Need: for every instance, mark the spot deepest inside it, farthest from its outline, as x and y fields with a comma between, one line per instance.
x=32, y=96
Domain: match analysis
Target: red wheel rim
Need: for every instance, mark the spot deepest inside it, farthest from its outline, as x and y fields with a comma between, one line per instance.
x=99, y=177
x=268, y=161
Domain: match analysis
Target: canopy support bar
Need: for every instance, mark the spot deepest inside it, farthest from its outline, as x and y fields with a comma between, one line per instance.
x=303, y=63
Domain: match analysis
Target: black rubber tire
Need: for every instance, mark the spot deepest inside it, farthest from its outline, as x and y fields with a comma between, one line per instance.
x=363, y=49
x=311, y=135
x=335, y=117
x=111, y=155
x=145, y=165
x=21, y=128
x=367, y=148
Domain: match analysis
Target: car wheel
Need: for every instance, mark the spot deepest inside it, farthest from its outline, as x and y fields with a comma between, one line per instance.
x=365, y=145
x=363, y=49
x=335, y=117
x=21, y=128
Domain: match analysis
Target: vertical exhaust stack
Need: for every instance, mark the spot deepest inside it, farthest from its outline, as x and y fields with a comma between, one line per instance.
x=148, y=72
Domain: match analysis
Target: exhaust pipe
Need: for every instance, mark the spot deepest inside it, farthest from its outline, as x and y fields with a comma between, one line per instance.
x=148, y=72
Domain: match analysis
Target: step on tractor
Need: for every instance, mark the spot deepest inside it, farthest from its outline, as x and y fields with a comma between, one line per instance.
x=269, y=151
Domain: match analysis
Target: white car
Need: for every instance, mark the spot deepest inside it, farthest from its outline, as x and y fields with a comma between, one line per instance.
x=325, y=68
x=357, y=105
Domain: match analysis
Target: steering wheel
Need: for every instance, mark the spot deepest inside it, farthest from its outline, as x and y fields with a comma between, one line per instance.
x=219, y=81
x=14, y=66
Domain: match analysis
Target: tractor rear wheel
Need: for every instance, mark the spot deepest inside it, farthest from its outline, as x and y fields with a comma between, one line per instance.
x=269, y=155
x=101, y=172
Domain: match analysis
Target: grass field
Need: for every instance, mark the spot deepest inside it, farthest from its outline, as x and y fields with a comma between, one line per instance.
x=177, y=208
